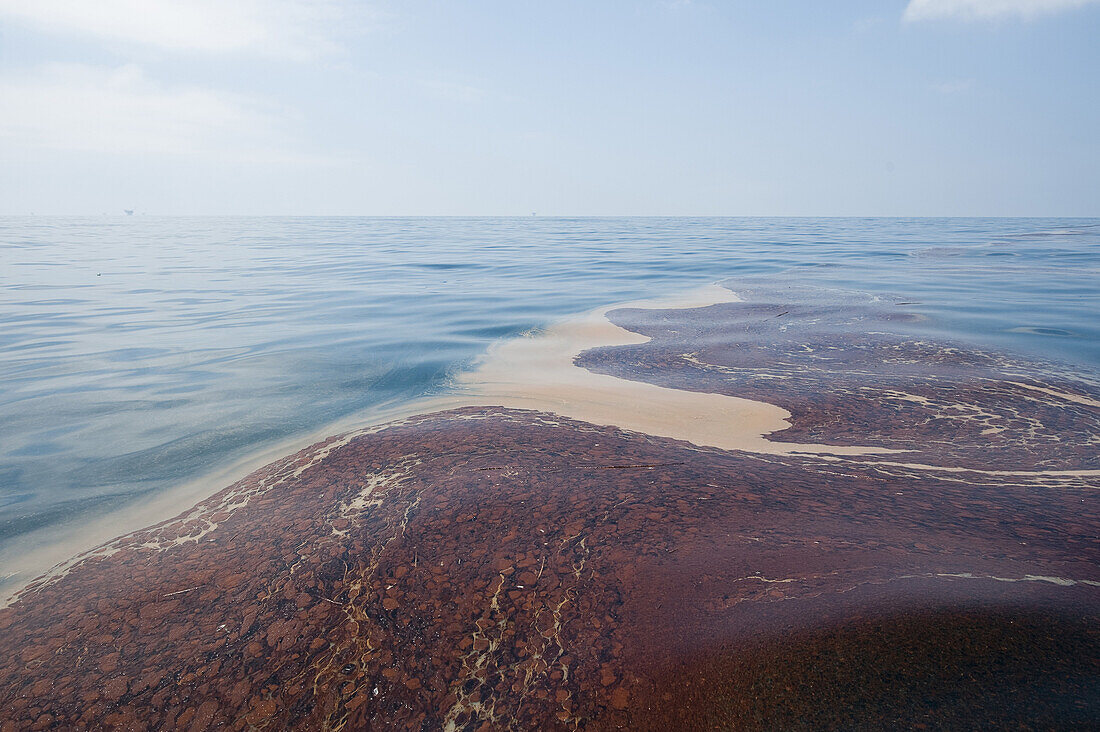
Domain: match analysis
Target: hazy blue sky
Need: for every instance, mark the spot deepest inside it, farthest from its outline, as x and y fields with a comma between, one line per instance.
x=928, y=107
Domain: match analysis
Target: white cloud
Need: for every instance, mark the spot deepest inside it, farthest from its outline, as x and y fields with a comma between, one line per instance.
x=120, y=111
x=294, y=28
x=918, y=10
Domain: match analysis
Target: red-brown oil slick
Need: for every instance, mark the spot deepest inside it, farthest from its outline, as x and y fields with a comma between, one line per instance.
x=486, y=568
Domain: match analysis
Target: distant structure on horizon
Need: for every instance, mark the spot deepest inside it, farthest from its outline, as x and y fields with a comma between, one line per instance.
x=129, y=211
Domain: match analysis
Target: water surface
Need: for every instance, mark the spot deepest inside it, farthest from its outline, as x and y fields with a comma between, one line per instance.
x=140, y=352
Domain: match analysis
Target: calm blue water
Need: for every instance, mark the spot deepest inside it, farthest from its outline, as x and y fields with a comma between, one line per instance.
x=138, y=352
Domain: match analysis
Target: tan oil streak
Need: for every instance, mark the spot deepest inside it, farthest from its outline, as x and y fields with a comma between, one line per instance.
x=539, y=373
x=1076, y=399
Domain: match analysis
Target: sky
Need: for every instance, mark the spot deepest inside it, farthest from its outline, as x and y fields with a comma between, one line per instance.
x=511, y=107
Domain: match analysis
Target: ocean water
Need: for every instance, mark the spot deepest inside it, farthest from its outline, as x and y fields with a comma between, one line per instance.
x=138, y=353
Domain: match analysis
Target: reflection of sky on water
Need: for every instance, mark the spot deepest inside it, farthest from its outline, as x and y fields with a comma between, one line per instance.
x=138, y=352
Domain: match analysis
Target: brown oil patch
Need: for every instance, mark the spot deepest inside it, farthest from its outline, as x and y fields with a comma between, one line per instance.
x=515, y=570
x=861, y=374
x=989, y=668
